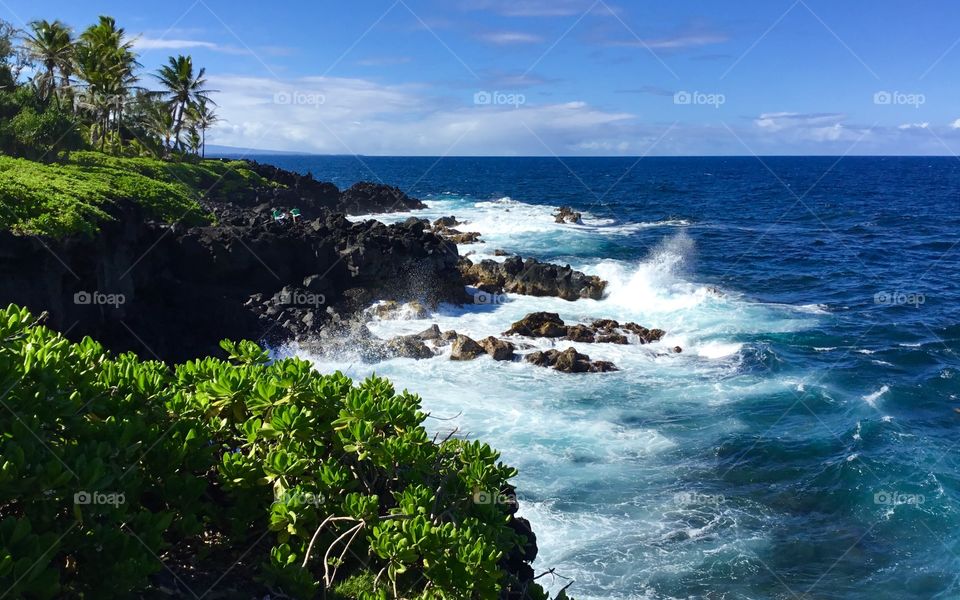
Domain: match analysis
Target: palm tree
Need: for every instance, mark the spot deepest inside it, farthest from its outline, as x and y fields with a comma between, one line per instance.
x=51, y=44
x=105, y=60
x=194, y=140
x=157, y=120
x=183, y=89
x=203, y=118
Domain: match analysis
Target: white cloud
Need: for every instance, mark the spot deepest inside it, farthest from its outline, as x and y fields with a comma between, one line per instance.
x=506, y=38
x=342, y=115
x=955, y=124
x=145, y=43
x=818, y=127
x=678, y=42
x=906, y=126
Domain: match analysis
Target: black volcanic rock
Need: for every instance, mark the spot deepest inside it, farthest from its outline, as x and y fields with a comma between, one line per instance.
x=569, y=361
x=374, y=198
x=532, y=278
x=184, y=289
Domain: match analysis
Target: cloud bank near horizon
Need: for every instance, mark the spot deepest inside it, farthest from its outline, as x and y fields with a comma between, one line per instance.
x=339, y=115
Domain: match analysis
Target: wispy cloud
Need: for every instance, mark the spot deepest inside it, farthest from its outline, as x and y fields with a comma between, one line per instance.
x=677, y=42
x=147, y=43
x=508, y=38
x=806, y=126
x=344, y=115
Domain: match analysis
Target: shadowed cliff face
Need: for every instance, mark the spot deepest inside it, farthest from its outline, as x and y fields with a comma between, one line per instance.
x=174, y=293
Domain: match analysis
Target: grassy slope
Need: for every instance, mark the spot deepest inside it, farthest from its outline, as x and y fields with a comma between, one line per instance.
x=75, y=196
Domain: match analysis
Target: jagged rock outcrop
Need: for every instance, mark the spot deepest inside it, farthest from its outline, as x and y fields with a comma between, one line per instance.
x=312, y=197
x=532, y=277
x=184, y=289
x=374, y=198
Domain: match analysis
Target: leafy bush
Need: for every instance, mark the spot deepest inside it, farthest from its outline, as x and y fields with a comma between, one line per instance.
x=325, y=484
x=84, y=505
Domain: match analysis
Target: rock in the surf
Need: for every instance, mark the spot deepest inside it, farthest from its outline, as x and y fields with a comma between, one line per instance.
x=408, y=346
x=565, y=214
x=539, y=324
x=581, y=333
x=498, y=349
x=446, y=223
x=569, y=361
x=465, y=348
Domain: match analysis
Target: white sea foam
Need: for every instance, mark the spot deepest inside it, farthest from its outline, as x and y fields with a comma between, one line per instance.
x=872, y=398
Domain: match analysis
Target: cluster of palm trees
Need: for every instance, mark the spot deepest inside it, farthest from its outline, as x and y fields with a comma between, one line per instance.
x=93, y=75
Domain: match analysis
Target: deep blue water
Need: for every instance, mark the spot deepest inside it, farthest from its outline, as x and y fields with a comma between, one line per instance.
x=804, y=445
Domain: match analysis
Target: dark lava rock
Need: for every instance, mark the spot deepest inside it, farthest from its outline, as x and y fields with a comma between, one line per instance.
x=408, y=346
x=539, y=324
x=565, y=214
x=580, y=333
x=187, y=288
x=498, y=349
x=465, y=348
x=532, y=278
x=446, y=223
x=374, y=198
x=612, y=338
x=569, y=361
x=455, y=237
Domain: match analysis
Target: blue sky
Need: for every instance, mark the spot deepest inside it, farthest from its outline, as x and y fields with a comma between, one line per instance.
x=561, y=77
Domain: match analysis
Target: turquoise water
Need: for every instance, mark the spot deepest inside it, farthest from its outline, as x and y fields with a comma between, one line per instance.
x=804, y=443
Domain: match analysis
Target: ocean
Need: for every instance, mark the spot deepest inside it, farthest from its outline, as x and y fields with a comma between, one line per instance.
x=803, y=445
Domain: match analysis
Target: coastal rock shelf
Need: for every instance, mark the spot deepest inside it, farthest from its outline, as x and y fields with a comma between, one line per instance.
x=550, y=325
x=532, y=278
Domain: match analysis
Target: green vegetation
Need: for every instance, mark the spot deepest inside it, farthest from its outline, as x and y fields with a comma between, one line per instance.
x=109, y=462
x=84, y=96
x=75, y=195
x=85, y=93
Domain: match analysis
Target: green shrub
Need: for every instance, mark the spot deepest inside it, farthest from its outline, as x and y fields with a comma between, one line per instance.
x=341, y=482
x=76, y=196
x=84, y=506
